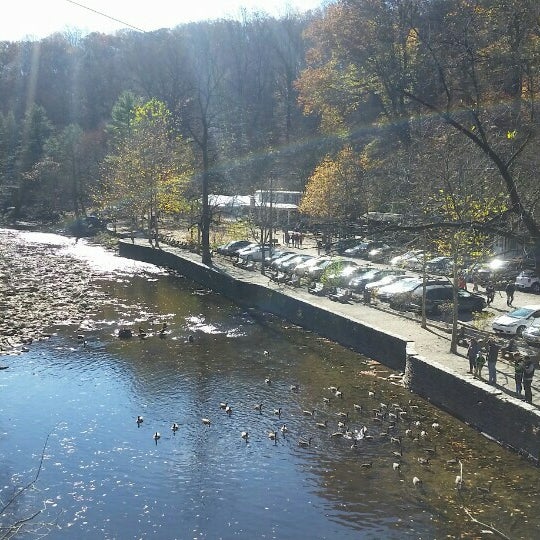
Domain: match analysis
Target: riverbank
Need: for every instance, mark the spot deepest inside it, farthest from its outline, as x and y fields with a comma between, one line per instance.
x=423, y=356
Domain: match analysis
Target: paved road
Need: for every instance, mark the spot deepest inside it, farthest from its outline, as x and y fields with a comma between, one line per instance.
x=432, y=343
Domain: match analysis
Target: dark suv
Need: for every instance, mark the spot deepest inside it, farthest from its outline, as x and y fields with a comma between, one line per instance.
x=437, y=295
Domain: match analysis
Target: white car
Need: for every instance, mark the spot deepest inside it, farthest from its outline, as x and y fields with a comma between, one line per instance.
x=528, y=280
x=515, y=322
x=531, y=335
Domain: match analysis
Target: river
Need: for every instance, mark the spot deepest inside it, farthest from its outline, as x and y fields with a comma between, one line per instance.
x=69, y=405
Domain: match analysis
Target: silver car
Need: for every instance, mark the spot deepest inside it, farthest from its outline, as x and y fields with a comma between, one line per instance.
x=531, y=335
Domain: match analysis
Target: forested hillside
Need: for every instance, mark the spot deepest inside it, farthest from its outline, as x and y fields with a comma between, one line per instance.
x=422, y=108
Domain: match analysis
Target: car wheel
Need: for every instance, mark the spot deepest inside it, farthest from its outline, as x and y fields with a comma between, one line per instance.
x=535, y=288
x=519, y=331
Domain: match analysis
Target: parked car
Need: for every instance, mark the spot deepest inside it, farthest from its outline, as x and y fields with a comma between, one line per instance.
x=345, y=243
x=399, y=260
x=329, y=266
x=499, y=270
x=528, y=280
x=290, y=264
x=531, y=335
x=230, y=248
x=383, y=282
x=516, y=321
x=256, y=253
x=362, y=249
x=303, y=268
x=380, y=254
x=275, y=263
x=343, y=275
x=359, y=282
x=438, y=295
x=385, y=293
x=440, y=265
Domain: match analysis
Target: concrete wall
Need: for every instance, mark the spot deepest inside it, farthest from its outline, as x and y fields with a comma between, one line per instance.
x=507, y=420
x=503, y=418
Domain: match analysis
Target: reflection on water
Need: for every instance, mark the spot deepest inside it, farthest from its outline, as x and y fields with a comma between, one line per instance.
x=104, y=475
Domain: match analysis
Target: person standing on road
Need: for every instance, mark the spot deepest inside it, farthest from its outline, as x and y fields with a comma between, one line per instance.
x=490, y=293
x=518, y=374
x=510, y=290
x=492, y=356
x=472, y=353
x=528, y=374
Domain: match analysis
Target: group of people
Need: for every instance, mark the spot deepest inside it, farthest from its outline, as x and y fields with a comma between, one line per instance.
x=295, y=238
x=479, y=354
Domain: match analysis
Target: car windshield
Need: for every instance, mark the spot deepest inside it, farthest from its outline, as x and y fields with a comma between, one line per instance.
x=521, y=313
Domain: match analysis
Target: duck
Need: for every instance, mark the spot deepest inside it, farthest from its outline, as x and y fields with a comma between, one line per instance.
x=416, y=481
x=357, y=407
x=371, y=393
x=303, y=443
x=157, y=436
x=336, y=435
x=206, y=421
x=223, y=405
x=326, y=399
x=343, y=414
x=396, y=466
x=175, y=427
x=322, y=425
x=140, y=419
x=258, y=407
x=367, y=465
x=333, y=389
x=244, y=435
x=339, y=394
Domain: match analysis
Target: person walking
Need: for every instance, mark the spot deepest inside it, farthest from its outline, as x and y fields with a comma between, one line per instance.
x=518, y=374
x=528, y=373
x=480, y=361
x=510, y=289
x=492, y=356
x=490, y=293
x=472, y=353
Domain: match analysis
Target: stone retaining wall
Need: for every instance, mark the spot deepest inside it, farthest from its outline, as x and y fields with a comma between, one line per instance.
x=507, y=420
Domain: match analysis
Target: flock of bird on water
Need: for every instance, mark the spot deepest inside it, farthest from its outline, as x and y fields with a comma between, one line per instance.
x=389, y=421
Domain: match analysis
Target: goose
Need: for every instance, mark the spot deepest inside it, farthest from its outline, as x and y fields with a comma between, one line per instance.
x=142, y=333
x=244, y=435
x=175, y=427
x=272, y=435
x=309, y=413
x=223, y=405
x=392, y=416
x=163, y=330
x=140, y=420
x=423, y=461
x=125, y=333
x=266, y=353
x=258, y=407
x=277, y=412
x=284, y=428
x=348, y=434
x=436, y=426
x=303, y=443
x=383, y=406
x=416, y=481
x=396, y=440
x=294, y=387
x=357, y=407
x=341, y=424
x=268, y=380
x=336, y=434
x=402, y=415
x=322, y=425
x=486, y=489
x=333, y=389
x=228, y=410
x=396, y=466
x=157, y=436
x=206, y=421
x=397, y=454
x=326, y=399
x=339, y=394
x=343, y=414
x=367, y=465
x=354, y=445
x=371, y=394
x=408, y=433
